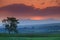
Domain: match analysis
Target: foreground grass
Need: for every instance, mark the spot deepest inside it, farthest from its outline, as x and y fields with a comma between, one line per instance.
x=29, y=38
x=29, y=35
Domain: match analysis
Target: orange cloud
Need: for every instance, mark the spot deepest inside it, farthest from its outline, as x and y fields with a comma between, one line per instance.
x=35, y=3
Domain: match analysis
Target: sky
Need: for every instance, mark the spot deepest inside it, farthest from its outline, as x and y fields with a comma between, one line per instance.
x=30, y=9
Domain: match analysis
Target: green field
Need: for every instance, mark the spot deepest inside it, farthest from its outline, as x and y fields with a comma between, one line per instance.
x=29, y=38
x=29, y=35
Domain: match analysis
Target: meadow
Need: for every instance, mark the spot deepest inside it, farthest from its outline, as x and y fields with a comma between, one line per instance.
x=29, y=37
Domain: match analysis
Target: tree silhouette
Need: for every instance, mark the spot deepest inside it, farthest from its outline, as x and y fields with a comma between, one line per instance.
x=11, y=24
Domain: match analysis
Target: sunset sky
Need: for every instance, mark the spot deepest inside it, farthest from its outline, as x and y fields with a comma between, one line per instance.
x=30, y=9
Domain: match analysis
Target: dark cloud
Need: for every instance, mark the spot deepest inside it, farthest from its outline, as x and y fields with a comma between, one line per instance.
x=21, y=9
x=52, y=10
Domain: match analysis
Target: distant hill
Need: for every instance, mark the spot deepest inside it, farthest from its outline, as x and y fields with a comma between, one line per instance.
x=31, y=26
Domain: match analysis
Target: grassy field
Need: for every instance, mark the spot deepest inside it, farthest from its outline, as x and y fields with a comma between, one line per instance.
x=29, y=38
x=29, y=35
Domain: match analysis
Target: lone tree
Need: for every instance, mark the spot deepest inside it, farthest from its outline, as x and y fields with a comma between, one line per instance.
x=11, y=24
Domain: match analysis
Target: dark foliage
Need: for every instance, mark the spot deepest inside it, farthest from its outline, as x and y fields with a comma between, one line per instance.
x=11, y=24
